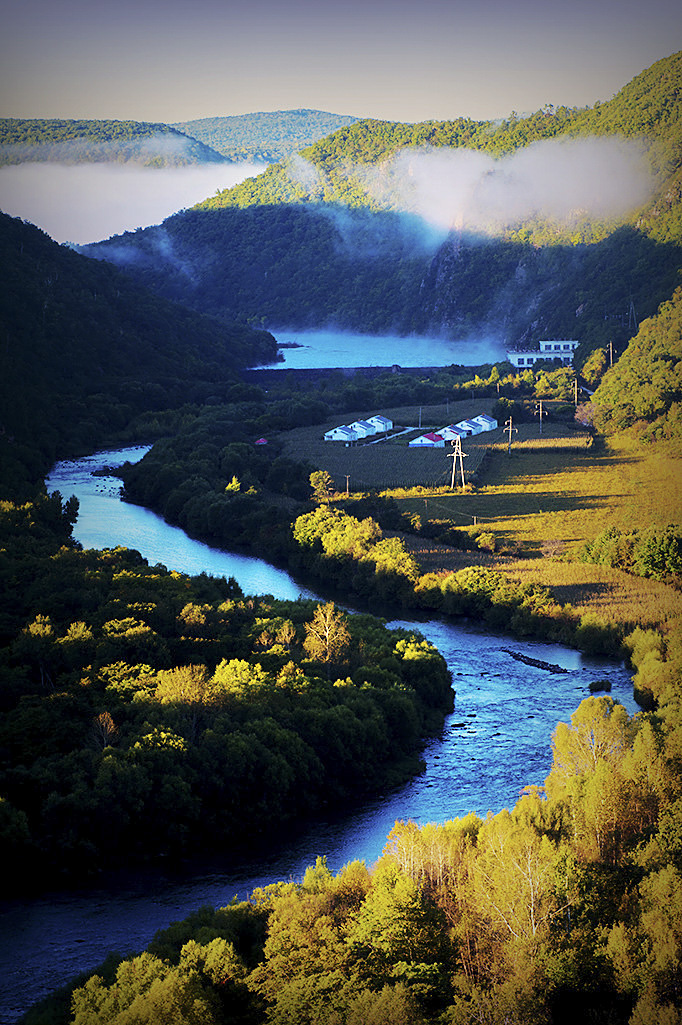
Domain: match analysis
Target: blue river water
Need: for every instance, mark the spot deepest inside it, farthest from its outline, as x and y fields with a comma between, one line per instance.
x=497, y=740
x=330, y=348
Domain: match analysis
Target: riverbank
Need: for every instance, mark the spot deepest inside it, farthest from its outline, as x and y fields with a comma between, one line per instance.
x=485, y=593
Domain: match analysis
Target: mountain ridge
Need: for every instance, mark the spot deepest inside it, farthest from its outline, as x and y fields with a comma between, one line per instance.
x=307, y=242
x=264, y=135
x=74, y=141
x=85, y=349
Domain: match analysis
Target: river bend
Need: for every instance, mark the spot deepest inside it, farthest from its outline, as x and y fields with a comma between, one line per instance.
x=497, y=740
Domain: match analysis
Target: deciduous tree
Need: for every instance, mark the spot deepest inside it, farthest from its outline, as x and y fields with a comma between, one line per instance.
x=327, y=638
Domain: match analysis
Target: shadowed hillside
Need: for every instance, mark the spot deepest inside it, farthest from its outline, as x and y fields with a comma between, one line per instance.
x=346, y=233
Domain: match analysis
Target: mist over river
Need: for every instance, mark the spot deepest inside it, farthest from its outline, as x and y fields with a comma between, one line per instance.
x=495, y=742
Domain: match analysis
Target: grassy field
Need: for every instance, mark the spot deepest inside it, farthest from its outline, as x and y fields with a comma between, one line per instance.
x=391, y=464
x=542, y=502
x=543, y=505
x=537, y=495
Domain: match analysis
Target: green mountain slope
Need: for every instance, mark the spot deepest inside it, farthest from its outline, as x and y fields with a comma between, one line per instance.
x=327, y=237
x=644, y=387
x=79, y=142
x=264, y=136
x=648, y=109
x=84, y=348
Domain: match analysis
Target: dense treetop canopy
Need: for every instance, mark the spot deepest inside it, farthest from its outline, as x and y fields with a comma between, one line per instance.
x=645, y=386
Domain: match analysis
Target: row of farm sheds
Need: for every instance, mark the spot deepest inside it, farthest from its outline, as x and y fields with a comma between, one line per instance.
x=360, y=429
x=464, y=429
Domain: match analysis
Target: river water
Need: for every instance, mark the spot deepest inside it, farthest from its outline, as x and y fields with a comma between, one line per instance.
x=497, y=740
x=328, y=348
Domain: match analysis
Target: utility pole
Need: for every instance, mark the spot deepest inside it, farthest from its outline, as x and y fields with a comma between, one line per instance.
x=539, y=411
x=454, y=455
x=610, y=354
x=509, y=427
x=420, y=418
x=347, y=480
x=575, y=393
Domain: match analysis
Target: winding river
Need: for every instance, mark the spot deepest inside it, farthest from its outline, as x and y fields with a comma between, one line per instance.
x=496, y=742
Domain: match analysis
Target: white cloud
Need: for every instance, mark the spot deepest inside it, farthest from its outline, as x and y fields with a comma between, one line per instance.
x=555, y=179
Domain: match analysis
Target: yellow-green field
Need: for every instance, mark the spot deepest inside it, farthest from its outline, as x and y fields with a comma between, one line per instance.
x=538, y=495
x=545, y=505
x=554, y=493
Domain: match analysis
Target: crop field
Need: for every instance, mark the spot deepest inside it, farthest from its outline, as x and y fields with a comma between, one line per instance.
x=390, y=463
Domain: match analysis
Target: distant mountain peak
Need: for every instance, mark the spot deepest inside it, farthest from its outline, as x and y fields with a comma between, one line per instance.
x=267, y=136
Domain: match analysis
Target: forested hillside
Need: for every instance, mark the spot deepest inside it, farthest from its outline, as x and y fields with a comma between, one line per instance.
x=561, y=910
x=263, y=136
x=644, y=388
x=343, y=233
x=82, y=142
x=84, y=350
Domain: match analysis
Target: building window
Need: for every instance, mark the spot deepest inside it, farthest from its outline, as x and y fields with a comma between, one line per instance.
x=521, y=361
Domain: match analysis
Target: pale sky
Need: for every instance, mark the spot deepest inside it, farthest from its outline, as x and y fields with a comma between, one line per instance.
x=172, y=60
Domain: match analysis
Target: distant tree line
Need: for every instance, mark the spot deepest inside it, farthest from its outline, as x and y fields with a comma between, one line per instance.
x=266, y=137
x=73, y=141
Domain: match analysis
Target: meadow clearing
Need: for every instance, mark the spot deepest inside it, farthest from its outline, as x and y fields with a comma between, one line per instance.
x=542, y=503
x=390, y=463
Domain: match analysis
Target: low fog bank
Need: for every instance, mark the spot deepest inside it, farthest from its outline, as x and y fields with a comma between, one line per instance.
x=147, y=150
x=334, y=348
x=559, y=180
x=562, y=181
x=88, y=202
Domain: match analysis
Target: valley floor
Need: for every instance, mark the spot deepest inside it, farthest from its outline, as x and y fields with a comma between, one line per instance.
x=553, y=493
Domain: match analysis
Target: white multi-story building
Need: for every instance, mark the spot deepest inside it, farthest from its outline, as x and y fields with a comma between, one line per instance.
x=562, y=349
